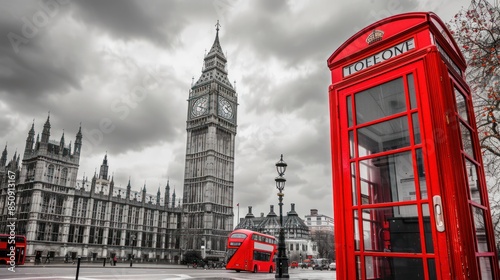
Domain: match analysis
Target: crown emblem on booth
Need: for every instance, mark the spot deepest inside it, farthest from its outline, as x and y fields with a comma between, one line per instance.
x=375, y=36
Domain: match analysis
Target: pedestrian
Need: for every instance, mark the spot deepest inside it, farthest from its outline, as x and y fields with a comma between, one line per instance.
x=114, y=260
x=73, y=258
x=47, y=259
x=38, y=257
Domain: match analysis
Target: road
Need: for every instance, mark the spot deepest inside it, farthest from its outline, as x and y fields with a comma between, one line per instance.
x=145, y=271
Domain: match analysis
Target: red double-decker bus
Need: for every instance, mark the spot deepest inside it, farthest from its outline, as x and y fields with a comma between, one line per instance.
x=250, y=251
x=12, y=248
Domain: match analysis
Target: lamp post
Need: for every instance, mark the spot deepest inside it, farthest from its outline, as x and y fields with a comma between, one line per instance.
x=132, y=238
x=282, y=261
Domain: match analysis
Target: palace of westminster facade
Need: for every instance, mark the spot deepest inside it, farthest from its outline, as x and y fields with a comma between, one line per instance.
x=93, y=218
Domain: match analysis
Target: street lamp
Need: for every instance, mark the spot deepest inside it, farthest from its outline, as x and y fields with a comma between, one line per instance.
x=282, y=262
x=132, y=239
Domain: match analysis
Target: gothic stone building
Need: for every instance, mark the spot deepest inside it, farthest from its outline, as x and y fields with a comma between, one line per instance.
x=299, y=245
x=91, y=218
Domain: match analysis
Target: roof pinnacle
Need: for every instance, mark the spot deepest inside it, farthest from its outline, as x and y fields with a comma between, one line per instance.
x=217, y=25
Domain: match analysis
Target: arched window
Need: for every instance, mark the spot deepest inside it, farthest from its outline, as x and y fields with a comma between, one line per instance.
x=50, y=173
x=64, y=176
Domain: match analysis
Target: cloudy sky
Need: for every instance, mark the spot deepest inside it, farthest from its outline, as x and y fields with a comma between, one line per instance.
x=123, y=69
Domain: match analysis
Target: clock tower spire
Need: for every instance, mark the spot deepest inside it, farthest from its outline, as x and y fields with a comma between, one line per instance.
x=209, y=172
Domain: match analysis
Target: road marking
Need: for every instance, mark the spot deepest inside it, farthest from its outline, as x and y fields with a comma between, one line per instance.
x=178, y=277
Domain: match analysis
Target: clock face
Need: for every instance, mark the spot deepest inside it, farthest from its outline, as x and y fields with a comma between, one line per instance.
x=225, y=108
x=200, y=107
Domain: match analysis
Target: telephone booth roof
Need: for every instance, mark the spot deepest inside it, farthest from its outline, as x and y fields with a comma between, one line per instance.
x=392, y=30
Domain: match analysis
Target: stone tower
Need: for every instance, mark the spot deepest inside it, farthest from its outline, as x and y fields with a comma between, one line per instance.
x=46, y=183
x=209, y=170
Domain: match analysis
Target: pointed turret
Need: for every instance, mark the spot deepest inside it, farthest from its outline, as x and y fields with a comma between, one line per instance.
x=216, y=49
x=167, y=194
x=249, y=214
x=129, y=188
x=61, y=145
x=103, y=172
x=144, y=193
x=46, y=130
x=271, y=212
x=158, y=196
x=214, y=66
x=292, y=212
x=248, y=221
x=30, y=140
x=92, y=185
x=84, y=182
x=13, y=164
x=78, y=141
x=3, y=159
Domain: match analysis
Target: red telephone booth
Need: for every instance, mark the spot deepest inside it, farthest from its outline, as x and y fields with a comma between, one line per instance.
x=410, y=194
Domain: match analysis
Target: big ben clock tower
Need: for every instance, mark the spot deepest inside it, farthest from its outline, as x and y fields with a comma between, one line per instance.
x=209, y=170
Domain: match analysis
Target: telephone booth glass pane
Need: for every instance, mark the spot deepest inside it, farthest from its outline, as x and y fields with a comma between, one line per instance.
x=358, y=267
x=384, y=136
x=466, y=139
x=387, y=179
x=416, y=128
x=349, y=111
x=461, y=105
x=429, y=244
x=353, y=184
x=356, y=231
x=421, y=174
x=391, y=229
x=479, y=223
x=411, y=90
x=402, y=268
x=380, y=101
x=431, y=263
x=475, y=194
x=485, y=266
x=351, y=144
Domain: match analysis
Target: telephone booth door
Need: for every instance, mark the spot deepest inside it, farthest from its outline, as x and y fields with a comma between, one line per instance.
x=392, y=236
x=410, y=199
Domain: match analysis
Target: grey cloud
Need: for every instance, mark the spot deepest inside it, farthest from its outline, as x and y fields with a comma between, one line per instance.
x=160, y=22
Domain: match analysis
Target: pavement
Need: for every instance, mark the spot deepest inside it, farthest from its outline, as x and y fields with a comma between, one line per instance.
x=100, y=264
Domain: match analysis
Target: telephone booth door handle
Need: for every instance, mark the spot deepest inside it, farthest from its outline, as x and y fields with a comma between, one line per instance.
x=438, y=213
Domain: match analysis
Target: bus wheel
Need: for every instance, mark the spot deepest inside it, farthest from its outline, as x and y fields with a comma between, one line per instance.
x=270, y=269
x=255, y=269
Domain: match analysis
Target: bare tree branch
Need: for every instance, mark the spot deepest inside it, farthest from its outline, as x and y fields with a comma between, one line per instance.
x=477, y=32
